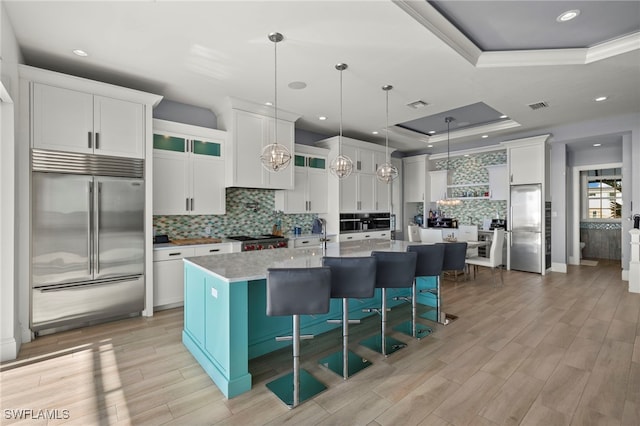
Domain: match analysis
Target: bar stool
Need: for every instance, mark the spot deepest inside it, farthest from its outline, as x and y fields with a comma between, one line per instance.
x=351, y=277
x=297, y=291
x=393, y=270
x=455, y=256
x=429, y=263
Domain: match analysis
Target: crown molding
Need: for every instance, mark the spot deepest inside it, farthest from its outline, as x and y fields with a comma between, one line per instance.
x=432, y=20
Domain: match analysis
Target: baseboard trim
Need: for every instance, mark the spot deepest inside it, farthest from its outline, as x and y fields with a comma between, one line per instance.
x=8, y=349
x=559, y=267
x=573, y=260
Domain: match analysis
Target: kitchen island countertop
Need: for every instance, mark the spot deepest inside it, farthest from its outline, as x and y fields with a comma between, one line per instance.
x=253, y=265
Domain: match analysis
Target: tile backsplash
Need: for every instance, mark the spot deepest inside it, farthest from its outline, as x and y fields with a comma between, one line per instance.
x=472, y=169
x=249, y=211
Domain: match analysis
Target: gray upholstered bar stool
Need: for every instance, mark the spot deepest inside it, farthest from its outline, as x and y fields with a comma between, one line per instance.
x=428, y=264
x=455, y=256
x=393, y=270
x=351, y=277
x=297, y=291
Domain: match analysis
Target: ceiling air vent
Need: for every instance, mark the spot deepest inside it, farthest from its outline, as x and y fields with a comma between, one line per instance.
x=417, y=104
x=538, y=105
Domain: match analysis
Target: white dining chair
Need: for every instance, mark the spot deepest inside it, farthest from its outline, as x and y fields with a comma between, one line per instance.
x=414, y=233
x=495, y=256
x=430, y=235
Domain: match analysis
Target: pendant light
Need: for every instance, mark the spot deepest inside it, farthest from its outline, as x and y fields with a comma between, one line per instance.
x=448, y=201
x=387, y=172
x=342, y=165
x=275, y=157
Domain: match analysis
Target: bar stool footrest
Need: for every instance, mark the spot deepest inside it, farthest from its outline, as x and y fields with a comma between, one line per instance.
x=407, y=328
x=282, y=387
x=375, y=344
x=335, y=361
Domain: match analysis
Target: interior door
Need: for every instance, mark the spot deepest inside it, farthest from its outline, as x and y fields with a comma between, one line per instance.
x=61, y=229
x=118, y=227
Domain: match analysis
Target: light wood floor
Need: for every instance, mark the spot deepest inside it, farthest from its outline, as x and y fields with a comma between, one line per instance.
x=563, y=349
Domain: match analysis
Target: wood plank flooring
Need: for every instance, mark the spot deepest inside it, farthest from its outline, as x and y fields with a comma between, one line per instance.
x=563, y=349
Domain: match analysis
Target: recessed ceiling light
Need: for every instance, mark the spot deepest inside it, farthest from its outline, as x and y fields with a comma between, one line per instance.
x=322, y=118
x=80, y=52
x=431, y=132
x=504, y=116
x=429, y=146
x=600, y=98
x=297, y=85
x=597, y=144
x=268, y=103
x=484, y=136
x=568, y=15
x=466, y=155
x=375, y=132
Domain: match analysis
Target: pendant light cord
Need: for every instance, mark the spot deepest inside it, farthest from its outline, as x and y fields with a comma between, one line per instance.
x=275, y=85
x=340, y=142
x=386, y=132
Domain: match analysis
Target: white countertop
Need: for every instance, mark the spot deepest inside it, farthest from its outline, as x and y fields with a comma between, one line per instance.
x=253, y=265
x=163, y=246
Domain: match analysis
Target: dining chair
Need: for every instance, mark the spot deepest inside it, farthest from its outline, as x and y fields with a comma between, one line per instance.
x=495, y=256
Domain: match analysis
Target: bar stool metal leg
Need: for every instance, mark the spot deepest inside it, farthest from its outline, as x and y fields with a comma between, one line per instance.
x=413, y=328
x=382, y=343
x=346, y=362
x=297, y=386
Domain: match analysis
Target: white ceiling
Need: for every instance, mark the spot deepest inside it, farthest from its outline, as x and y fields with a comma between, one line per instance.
x=199, y=53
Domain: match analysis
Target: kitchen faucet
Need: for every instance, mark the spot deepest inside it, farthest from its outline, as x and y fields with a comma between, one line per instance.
x=323, y=240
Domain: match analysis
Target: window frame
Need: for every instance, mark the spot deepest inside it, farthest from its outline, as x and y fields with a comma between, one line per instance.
x=585, y=179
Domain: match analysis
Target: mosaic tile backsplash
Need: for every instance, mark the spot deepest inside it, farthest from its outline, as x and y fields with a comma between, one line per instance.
x=248, y=212
x=472, y=169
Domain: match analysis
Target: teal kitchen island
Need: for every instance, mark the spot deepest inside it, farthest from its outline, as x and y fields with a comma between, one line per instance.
x=225, y=321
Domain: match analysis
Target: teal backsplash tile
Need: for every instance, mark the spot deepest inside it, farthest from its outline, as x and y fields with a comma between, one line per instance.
x=249, y=211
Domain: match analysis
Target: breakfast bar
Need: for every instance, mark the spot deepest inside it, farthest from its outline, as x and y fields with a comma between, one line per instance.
x=225, y=321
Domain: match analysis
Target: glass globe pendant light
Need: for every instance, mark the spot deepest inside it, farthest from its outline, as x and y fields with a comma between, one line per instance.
x=387, y=172
x=342, y=165
x=275, y=157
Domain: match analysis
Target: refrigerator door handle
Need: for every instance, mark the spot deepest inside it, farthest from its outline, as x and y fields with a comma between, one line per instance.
x=89, y=226
x=83, y=286
x=97, y=228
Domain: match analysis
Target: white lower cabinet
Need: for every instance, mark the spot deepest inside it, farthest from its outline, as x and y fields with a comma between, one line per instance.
x=168, y=271
x=359, y=236
x=306, y=242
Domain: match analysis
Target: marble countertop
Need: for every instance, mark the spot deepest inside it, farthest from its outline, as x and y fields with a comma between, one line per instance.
x=162, y=246
x=253, y=265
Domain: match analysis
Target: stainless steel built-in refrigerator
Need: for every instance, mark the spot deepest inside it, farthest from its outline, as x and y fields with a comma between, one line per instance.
x=525, y=224
x=87, y=257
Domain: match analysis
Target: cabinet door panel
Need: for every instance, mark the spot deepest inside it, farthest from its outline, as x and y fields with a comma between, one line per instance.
x=367, y=161
x=248, y=136
x=318, y=190
x=297, y=198
x=62, y=119
x=498, y=182
x=170, y=182
x=119, y=127
x=414, y=181
x=526, y=164
x=367, y=190
x=168, y=277
x=438, y=185
x=208, y=185
x=382, y=196
x=349, y=194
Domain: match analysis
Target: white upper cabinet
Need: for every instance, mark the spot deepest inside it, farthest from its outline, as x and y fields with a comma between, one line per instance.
x=70, y=120
x=498, y=182
x=188, y=169
x=250, y=132
x=526, y=159
x=310, y=193
x=414, y=169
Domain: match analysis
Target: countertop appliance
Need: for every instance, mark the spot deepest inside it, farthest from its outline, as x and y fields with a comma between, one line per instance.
x=525, y=224
x=442, y=222
x=87, y=231
x=261, y=242
x=498, y=224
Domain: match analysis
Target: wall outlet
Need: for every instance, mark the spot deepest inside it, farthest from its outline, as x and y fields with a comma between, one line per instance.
x=207, y=230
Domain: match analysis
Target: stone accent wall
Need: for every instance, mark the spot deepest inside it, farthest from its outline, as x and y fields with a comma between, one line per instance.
x=602, y=240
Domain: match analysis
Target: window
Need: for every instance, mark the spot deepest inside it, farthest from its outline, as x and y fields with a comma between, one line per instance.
x=603, y=194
